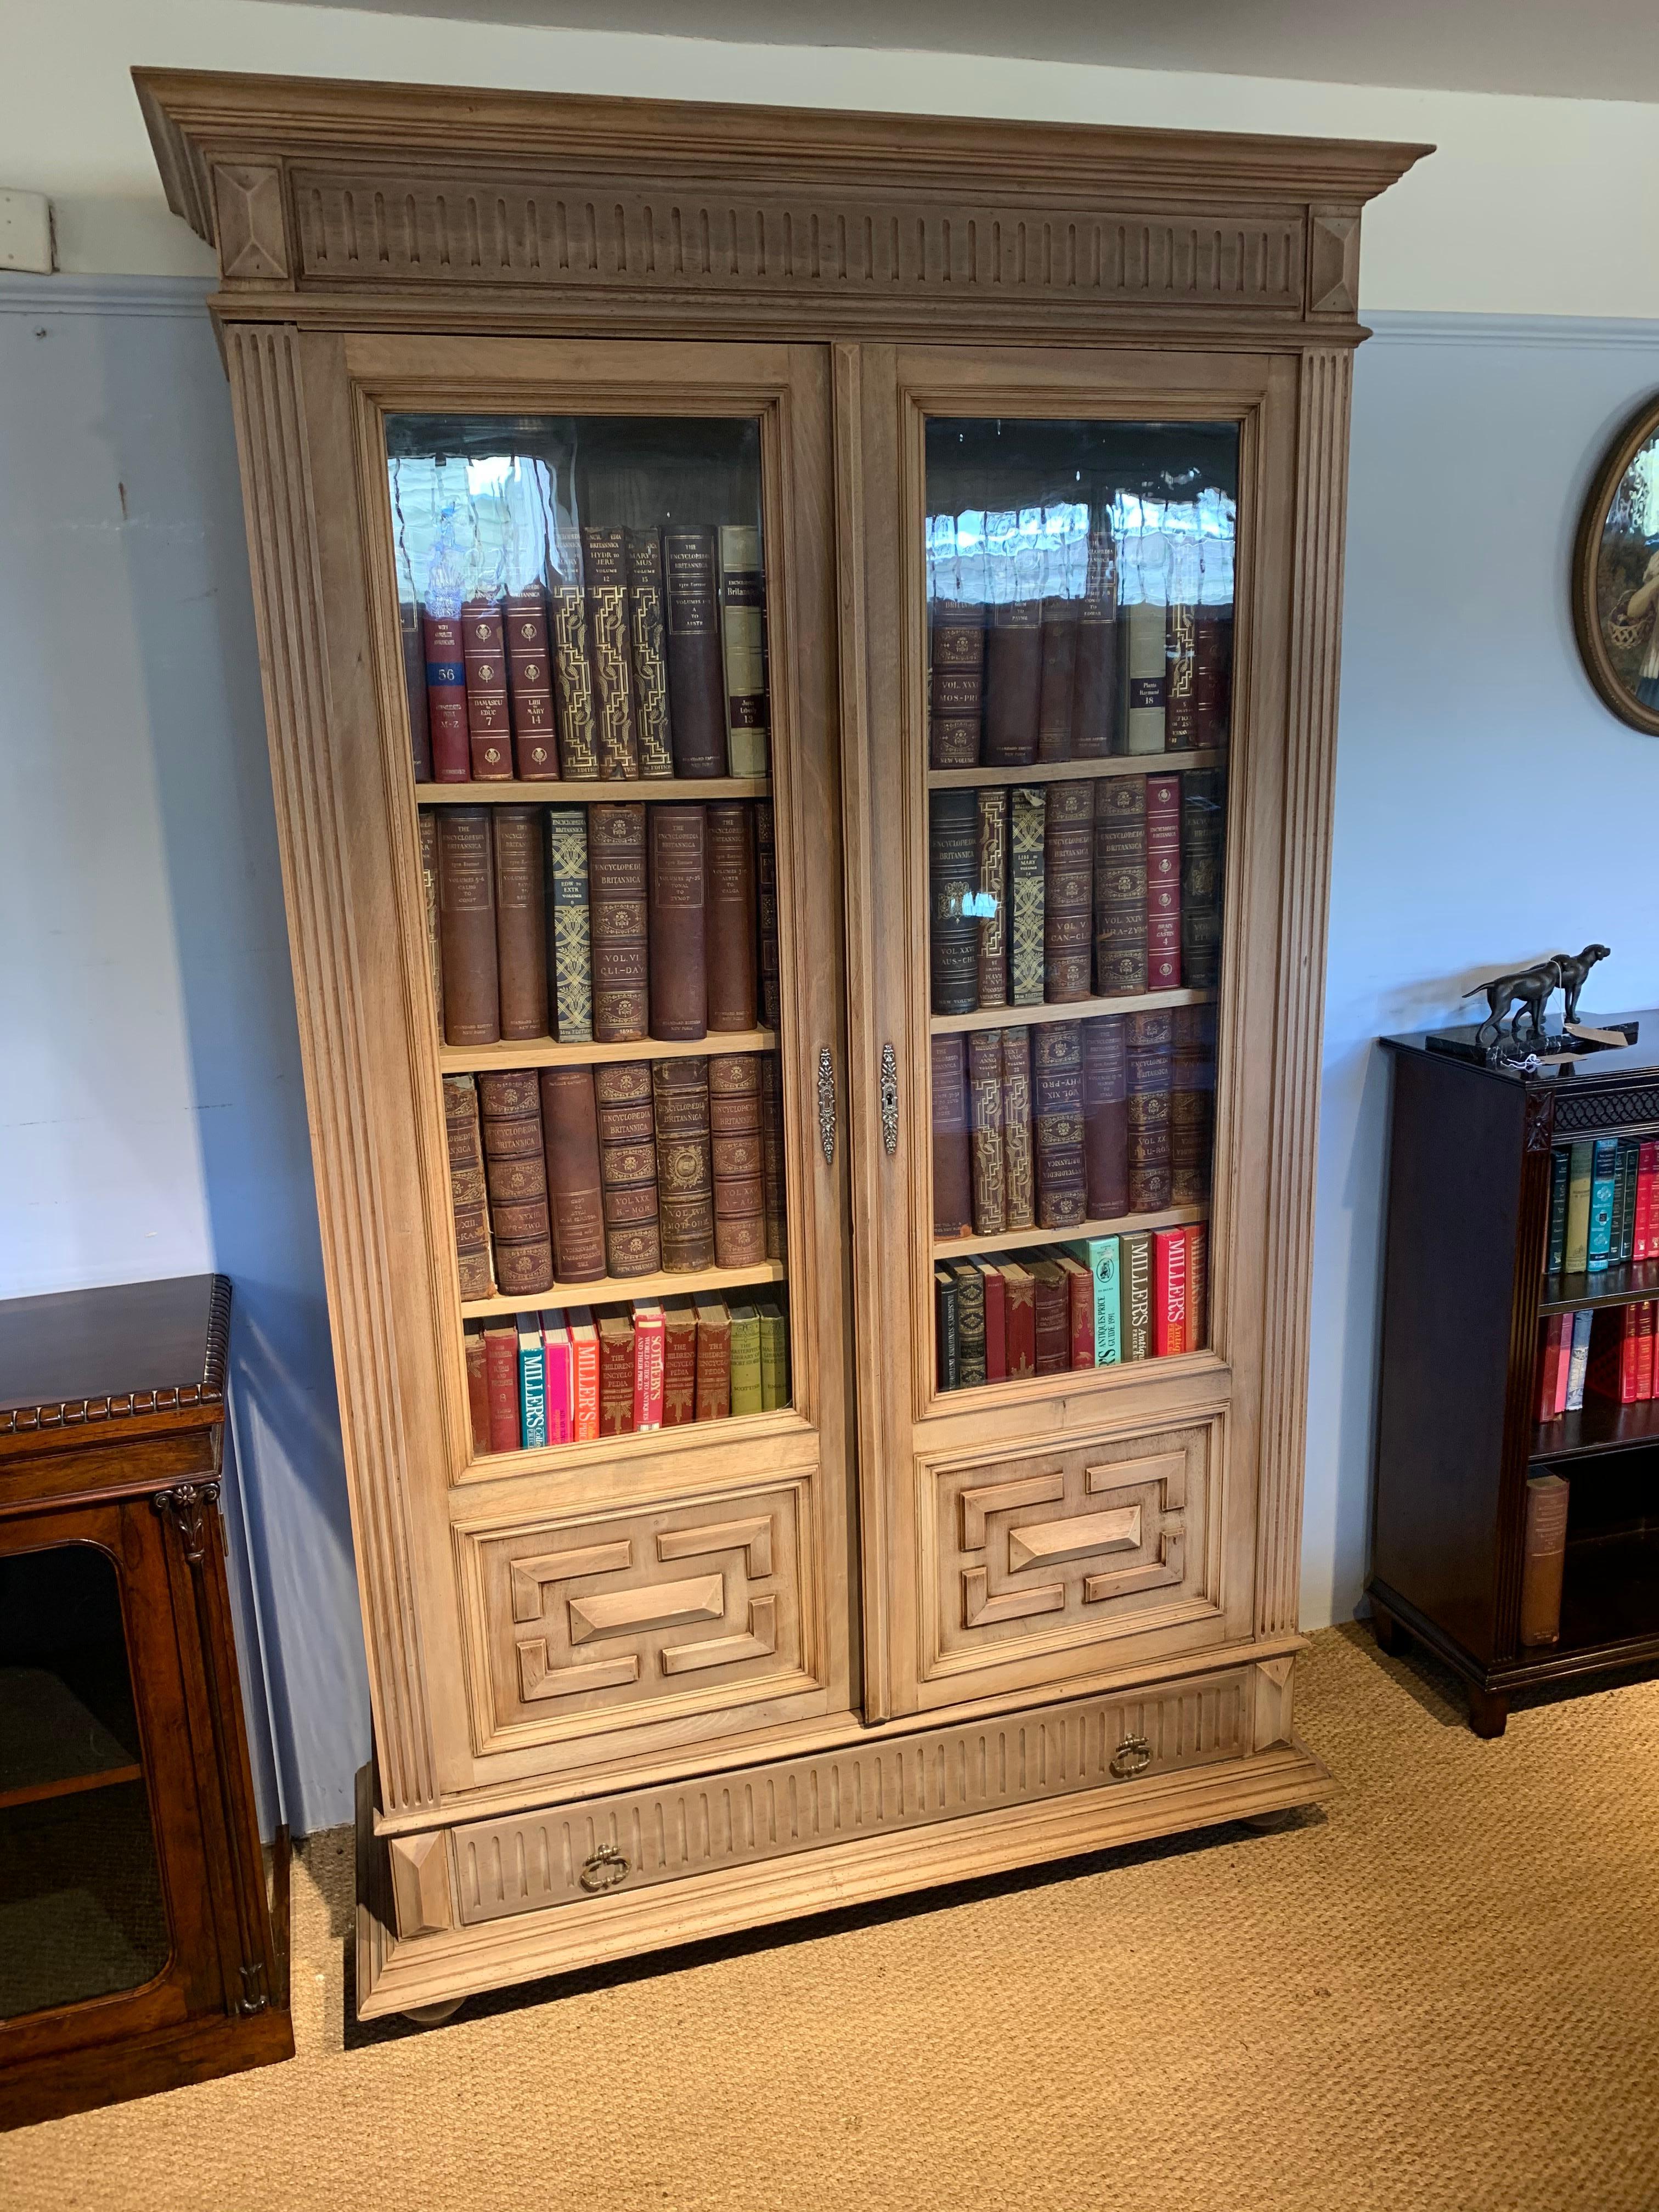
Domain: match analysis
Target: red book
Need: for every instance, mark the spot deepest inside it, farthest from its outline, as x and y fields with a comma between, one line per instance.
x=477, y=1386
x=1163, y=882
x=502, y=1376
x=1020, y=1293
x=1198, y=1285
x=996, y=1322
x=1549, y=1364
x=679, y=1362
x=1080, y=1294
x=1169, y=1292
x=483, y=651
x=1645, y=1326
x=1646, y=1246
x=530, y=681
x=616, y=1373
x=445, y=699
x=1052, y=1318
x=1612, y=1355
x=584, y=1374
x=648, y=1352
x=1629, y=1350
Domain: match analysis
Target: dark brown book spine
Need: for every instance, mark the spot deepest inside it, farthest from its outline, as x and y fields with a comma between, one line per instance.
x=953, y=1183
x=430, y=894
x=734, y=1123
x=1105, y=1117
x=696, y=678
x=1096, y=688
x=766, y=903
x=572, y=669
x=1018, y=1166
x=985, y=1131
x=677, y=836
x=992, y=835
x=731, y=917
x=420, y=722
x=685, y=1185
x=1544, y=1557
x=1203, y=847
x=956, y=690
x=489, y=728
x=1051, y=1299
x=1150, y=1046
x=445, y=699
x=1163, y=882
x=1057, y=1111
x=570, y=1139
x=1068, y=891
x=1059, y=679
x=610, y=651
x=628, y=1167
x=647, y=621
x=772, y=1164
x=1120, y=885
x=1213, y=649
x=468, y=1192
x=466, y=924
x=521, y=921
x=515, y=1168
x=953, y=931
x=1192, y=1103
x=530, y=686
x=616, y=1373
x=1014, y=684
x=616, y=880
x=679, y=1362
x=478, y=1385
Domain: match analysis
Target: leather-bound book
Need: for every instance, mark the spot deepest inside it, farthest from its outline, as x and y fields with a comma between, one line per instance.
x=466, y=927
x=956, y=684
x=1080, y=1310
x=1068, y=891
x=610, y=651
x=746, y=1359
x=1203, y=850
x=1096, y=692
x=766, y=907
x=1163, y=882
x=996, y=1318
x=1014, y=684
x=679, y=1362
x=616, y=1372
x=648, y=618
x=743, y=629
x=953, y=1185
x=628, y=1167
x=520, y=922
x=515, y=1170
x=1057, y=1114
x=1544, y=1557
x=570, y=952
x=570, y=1144
x=445, y=699
x=1105, y=1117
x=1144, y=673
x=1020, y=1294
x=430, y=895
x=1018, y=1165
x=713, y=1358
x=985, y=1131
x=774, y=1356
x=420, y=721
x=490, y=729
x=993, y=839
x=468, y=1192
x=1180, y=652
x=477, y=1386
x=1027, y=817
x=947, y=1330
x=678, y=961
x=1214, y=653
x=970, y=1324
x=573, y=668
x=734, y=1125
x=1059, y=678
x=732, y=921
x=1120, y=887
x=773, y=1189
x=1052, y=1315
x=617, y=891
x=1192, y=1103
x=696, y=677
x=952, y=921
x=501, y=1379
x=530, y=685
x=1149, y=1041
x=685, y=1180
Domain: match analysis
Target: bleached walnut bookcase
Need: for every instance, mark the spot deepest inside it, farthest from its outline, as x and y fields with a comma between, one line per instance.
x=1028, y=444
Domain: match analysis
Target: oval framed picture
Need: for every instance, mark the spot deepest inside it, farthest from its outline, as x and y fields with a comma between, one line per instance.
x=1615, y=583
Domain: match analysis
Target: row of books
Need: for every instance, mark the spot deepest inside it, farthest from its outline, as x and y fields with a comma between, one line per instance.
x=645, y=656
x=560, y=1377
x=1096, y=1303
x=1052, y=1125
x=1604, y=1205
x=1044, y=893
x=607, y=923
x=1605, y=1352
x=570, y=1175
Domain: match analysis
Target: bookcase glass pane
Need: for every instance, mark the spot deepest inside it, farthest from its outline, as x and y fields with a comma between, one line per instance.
x=582, y=609
x=81, y=1908
x=1079, y=579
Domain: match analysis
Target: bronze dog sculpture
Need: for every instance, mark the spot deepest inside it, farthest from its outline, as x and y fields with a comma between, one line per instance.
x=1530, y=989
x=1575, y=968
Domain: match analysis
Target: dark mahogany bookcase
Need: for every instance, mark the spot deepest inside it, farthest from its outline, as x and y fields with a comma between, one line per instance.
x=1464, y=1291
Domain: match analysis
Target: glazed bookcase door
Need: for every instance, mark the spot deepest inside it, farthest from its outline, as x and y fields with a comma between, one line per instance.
x=1072, y=793
x=600, y=1567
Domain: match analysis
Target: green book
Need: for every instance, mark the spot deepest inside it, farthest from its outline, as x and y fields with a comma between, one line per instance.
x=1555, y=1250
x=746, y=1361
x=970, y=1324
x=1136, y=1274
x=1604, y=1183
x=570, y=966
x=1100, y=1256
x=1576, y=1258
x=774, y=1356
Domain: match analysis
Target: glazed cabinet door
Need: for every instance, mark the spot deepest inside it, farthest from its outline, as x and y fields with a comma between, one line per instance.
x=1068, y=675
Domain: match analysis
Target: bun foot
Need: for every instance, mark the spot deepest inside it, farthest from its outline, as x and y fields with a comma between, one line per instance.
x=434, y=2015
x=1488, y=1712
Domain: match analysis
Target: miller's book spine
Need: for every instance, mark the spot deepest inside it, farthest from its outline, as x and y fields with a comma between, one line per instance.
x=648, y=627
x=515, y=1170
x=992, y=807
x=530, y=685
x=1136, y=1276
x=445, y=699
x=1163, y=882
x=628, y=1168
x=570, y=1139
x=952, y=866
x=520, y=922
x=469, y=1194
x=953, y=1197
x=685, y=1184
x=616, y=890
x=1057, y=1100
x=532, y=1382
x=1169, y=1292
x=1018, y=1166
x=1197, y=1233
x=571, y=951
x=743, y=632
x=985, y=1119
x=1068, y=891
x=734, y=1124
x=466, y=927
x=1028, y=815
x=489, y=726
x=696, y=684
x=956, y=688
x=610, y=651
x=678, y=938
x=732, y=920
x=1121, y=964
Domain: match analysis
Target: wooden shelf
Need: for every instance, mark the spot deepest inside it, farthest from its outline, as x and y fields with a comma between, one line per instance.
x=1075, y=1010
x=68, y=1785
x=1610, y=1588
x=1021, y=1240
x=546, y=1052
x=958, y=779
x=665, y=789
x=1624, y=1286
x=1602, y=1426
x=612, y=1289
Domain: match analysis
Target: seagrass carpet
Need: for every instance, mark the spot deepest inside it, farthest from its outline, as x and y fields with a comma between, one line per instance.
x=1439, y=1990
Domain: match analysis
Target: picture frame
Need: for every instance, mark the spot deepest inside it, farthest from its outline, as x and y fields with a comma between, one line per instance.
x=1615, y=573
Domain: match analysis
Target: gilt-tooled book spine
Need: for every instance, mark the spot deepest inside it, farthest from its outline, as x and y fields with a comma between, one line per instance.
x=445, y=699
x=953, y=1195
x=955, y=686
x=772, y=1164
x=696, y=680
x=1149, y=1039
x=685, y=1181
x=520, y=922
x=1018, y=1167
x=713, y=1358
x=1181, y=676
x=478, y=1380
x=1556, y=1244
x=628, y=1168
x=995, y=1292
x=1028, y=815
x=567, y=914
x=1095, y=696
x=1058, y=681
x=420, y=721
x=616, y=892
x=429, y=898
x=743, y=629
x=1136, y=1276
x=678, y=963
x=1120, y=887
x=530, y=685
x=1144, y=674
x=947, y=1328
x=570, y=1139
x=610, y=651
x=1057, y=1104
x=679, y=1362
x=468, y=1192
x=733, y=922
x=1100, y=1256
x=984, y=1128
x=734, y=1123
x=1197, y=1233
x=745, y=1359
x=1213, y=652
x=1020, y=1319
x=1068, y=891
x=572, y=669
x=953, y=926
x=1105, y=1117
x=466, y=927
x=766, y=903
x=1052, y=1303
x=501, y=1377
x=1192, y=1103
x=489, y=726
x=515, y=1170
x=1203, y=847
x=1014, y=684
x=992, y=837
x=1081, y=1305
x=616, y=1373
x=774, y=1356
x=970, y=1324
x=1163, y=882
x=1544, y=1557
x=647, y=621
x=648, y=1347
x=1604, y=1162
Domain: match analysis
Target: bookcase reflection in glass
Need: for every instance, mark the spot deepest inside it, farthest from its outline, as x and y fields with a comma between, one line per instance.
x=1080, y=624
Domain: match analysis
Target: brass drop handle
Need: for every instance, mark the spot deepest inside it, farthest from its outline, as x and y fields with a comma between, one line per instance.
x=605, y=1869
x=1133, y=1756
x=889, y=1100
x=827, y=1105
